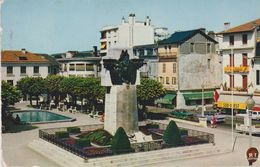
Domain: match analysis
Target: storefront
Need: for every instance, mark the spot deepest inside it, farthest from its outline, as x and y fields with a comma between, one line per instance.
x=168, y=101
x=196, y=98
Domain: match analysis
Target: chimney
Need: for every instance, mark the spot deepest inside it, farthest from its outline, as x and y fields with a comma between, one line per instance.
x=123, y=19
x=148, y=21
x=23, y=50
x=95, y=51
x=131, y=18
x=226, y=25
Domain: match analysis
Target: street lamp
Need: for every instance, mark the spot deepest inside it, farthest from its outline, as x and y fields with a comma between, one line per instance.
x=249, y=106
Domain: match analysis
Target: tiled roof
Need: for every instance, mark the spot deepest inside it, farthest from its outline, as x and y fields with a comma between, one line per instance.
x=182, y=36
x=149, y=46
x=242, y=28
x=20, y=57
x=52, y=60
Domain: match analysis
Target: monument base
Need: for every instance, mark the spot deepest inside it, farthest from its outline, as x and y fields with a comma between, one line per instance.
x=121, y=109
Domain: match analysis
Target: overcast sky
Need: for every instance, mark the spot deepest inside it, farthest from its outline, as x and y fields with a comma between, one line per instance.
x=53, y=26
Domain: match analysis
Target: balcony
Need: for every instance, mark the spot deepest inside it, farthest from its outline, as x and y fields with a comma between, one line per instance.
x=168, y=55
x=240, y=69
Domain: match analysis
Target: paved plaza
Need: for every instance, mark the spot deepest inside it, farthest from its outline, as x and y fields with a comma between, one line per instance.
x=16, y=152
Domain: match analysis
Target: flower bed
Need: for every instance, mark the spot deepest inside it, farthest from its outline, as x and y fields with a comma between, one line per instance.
x=93, y=152
x=99, y=137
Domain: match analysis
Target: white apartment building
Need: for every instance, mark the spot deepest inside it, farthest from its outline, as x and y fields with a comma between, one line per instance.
x=238, y=46
x=19, y=64
x=128, y=34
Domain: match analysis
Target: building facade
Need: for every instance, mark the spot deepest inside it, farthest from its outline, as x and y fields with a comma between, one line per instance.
x=239, y=47
x=19, y=64
x=189, y=69
x=129, y=33
x=83, y=64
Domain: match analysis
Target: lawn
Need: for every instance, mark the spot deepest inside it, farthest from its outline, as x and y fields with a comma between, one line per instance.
x=11, y=127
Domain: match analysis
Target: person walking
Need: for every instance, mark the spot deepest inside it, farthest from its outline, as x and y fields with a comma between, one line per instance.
x=213, y=121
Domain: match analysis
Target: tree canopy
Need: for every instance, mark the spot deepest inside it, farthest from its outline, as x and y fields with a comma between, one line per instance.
x=149, y=90
x=9, y=94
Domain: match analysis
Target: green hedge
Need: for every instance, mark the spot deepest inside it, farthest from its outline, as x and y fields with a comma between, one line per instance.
x=73, y=130
x=62, y=134
x=120, y=142
x=152, y=126
x=172, y=136
x=82, y=142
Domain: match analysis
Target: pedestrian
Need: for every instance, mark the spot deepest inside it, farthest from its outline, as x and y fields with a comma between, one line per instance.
x=213, y=121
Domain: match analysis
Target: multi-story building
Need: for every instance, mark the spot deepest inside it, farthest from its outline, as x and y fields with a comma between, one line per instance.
x=129, y=33
x=239, y=47
x=149, y=54
x=19, y=64
x=188, y=68
x=74, y=63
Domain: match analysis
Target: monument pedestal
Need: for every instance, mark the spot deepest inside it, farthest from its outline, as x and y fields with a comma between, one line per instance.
x=121, y=109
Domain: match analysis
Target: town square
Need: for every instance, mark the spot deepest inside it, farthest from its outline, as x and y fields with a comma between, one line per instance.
x=130, y=83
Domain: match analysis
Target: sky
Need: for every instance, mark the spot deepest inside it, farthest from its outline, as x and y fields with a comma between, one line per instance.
x=55, y=26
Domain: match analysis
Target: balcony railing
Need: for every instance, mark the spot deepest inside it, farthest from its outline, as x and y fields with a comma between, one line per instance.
x=242, y=69
x=168, y=55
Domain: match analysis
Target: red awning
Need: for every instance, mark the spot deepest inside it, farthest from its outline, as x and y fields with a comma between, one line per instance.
x=256, y=108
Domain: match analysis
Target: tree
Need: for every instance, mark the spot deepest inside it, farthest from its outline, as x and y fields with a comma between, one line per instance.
x=9, y=95
x=120, y=142
x=172, y=136
x=148, y=91
x=33, y=86
x=53, y=88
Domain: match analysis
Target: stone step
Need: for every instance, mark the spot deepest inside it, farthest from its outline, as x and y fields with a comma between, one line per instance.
x=155, y=158
x=56, y=154
x=155, y=152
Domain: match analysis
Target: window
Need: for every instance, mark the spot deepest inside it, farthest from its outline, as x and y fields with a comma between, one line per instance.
x=244, y=61
x=23, y=70
x=208, y=63
x=89, y=67
x=162, y=80
x=165, y=47
x=231, y=60
x=208, y=48
x=244, y=81
x=231, y=81
x=169, y=47
x=9, y=70
x=72, y=67
x=174, y=80
x=167, y=80
x=36, y=69
x=174, y=67
x=231, y=40
x=109, y=44
x=164, y=67
x=257, y=77
x=80, y=67
x=22, y=58
x=191, y=47
x=65, y=67
x=244, y=39
x=10, y=82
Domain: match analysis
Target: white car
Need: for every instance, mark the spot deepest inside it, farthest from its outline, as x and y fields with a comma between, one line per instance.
x=255, y=115
x=208, y=115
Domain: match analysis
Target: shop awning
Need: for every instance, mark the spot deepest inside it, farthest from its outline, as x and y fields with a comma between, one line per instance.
x=167, y=99
x=198, y=95
x=225, y=101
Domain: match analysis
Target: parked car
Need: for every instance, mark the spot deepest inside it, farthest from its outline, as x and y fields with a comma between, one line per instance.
x=182, y=114
x=209, y=114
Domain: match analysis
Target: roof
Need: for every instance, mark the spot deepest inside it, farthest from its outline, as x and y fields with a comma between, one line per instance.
x=75, y=54
x=52, y=60
x=149, y=46
x=249, y=26
x=12, y=56
x=182, y=36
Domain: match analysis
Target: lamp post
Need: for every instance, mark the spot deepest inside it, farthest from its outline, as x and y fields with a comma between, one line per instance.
x=202, y=102
x=249, y=106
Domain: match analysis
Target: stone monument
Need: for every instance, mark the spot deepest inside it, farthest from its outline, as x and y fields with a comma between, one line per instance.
x=120, y=75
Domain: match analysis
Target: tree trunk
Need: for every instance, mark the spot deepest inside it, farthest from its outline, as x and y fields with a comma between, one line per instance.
x=81, y=104
x=30, y=98
x=37, y=101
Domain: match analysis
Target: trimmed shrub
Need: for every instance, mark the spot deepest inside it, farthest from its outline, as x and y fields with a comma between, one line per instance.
x=62, y=134
x=73, y=130
x=152, y=126
x=172, y=136
x=99, y=137
x=82, y=142
x=120, y=142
